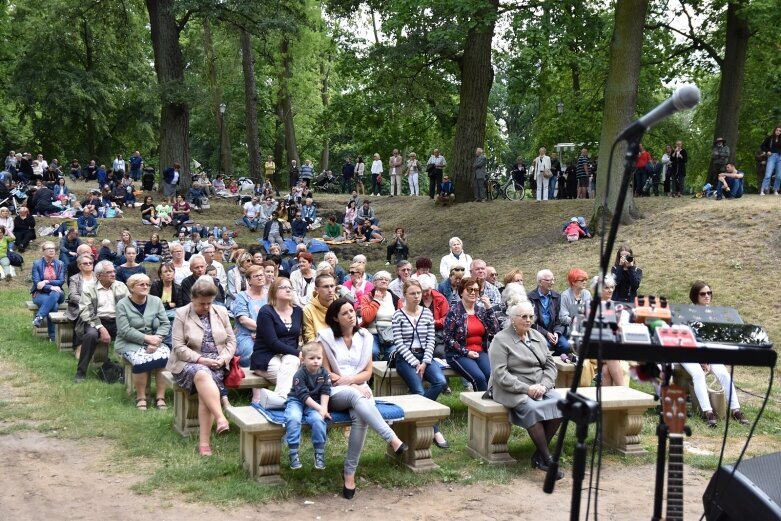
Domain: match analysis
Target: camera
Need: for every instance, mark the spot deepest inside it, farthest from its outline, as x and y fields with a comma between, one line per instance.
x=630, y=258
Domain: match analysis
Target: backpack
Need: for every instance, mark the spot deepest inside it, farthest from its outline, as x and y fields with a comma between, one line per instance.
x=111, y=372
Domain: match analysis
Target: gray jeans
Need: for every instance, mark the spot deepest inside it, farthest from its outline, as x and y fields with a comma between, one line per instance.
x=363, y=413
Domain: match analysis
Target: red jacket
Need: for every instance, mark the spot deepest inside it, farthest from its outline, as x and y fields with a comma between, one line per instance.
x=440, y=308
x=643, y=158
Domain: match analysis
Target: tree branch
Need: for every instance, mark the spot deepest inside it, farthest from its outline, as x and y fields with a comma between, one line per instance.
x=186, y=18
x=697, y=42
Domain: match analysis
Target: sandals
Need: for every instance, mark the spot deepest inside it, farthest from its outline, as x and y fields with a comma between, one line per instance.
x=141, y=404
x=223, y=427
x=204, y=450
x=160, y=404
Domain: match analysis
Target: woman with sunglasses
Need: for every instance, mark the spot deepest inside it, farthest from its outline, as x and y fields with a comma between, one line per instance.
x=701, y=294
x=449, y=286
x=522, y=374
x=357, y=284
x=469, y=330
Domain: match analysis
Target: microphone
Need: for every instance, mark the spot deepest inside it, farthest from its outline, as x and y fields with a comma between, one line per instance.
x=686, y=97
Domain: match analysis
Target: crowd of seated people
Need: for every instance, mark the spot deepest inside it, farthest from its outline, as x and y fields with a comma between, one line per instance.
x=196, y=316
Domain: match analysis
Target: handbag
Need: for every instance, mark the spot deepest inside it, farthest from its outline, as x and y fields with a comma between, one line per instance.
x=15, y=259
x=547, y=174
x=430, y=168
x=385, y=334
x=235, y=374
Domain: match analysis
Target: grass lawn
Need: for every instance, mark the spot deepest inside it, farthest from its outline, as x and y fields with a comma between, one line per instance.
x=734, y=245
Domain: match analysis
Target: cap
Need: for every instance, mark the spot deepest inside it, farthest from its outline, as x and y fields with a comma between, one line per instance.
x=573, y=220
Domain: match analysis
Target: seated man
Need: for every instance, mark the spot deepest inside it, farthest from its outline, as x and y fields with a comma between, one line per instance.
x=251, y=217
x=198, y=269
x=547, y=304
x=97, y=311
x=364, y=213
x=299, y=228
x=403, y=273
x=479, y=270
x=731, y=182
x=447, y=192
x=87, y=223
x=314, y=311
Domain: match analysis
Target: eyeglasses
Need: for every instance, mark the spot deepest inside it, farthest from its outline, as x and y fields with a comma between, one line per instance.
x=581, y=280
x=354, y=272
x=458, y=269
x=259, y=276
x=472, y=290
x=547, y=280
x=381, y=279
x=525, y=317
x=85, y=264
x=706, y=293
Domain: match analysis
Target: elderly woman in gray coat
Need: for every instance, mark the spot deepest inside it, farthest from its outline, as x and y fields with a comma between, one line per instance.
x=522, y=376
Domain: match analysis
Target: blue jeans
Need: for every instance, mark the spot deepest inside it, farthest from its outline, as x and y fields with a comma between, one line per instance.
x=561, y=347
x=735, y=188
x=376, y=187
x=773, y=164
x=252, y=224
x=244, y=347
x=380, y=350
x=151, y=258
x=295, y=413
x=433, y=375
x=552, y=182
x=475, y=370
x=48, y=302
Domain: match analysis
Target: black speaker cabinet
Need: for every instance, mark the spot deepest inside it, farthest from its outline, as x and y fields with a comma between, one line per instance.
x=752, y=493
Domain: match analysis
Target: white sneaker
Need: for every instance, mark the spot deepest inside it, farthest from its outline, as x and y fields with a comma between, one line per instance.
x=271, y=400
x=775, y=192
x=387, y=263
x=761, y=192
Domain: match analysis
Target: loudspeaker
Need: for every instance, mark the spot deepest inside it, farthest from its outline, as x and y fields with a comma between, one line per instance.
x=752, y=492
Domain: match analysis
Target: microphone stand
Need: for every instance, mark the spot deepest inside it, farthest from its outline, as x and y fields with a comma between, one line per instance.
x=575, y=407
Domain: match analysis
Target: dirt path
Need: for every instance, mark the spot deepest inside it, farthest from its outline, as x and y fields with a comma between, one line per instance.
x=50, y=478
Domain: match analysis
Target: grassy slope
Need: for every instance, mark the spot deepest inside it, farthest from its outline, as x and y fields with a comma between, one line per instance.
x=731, y=244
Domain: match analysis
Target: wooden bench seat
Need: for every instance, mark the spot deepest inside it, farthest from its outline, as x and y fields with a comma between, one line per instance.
x=393, y=384
x=186, y=405
x=42, y=330
x=261, y=440
x=622, y=415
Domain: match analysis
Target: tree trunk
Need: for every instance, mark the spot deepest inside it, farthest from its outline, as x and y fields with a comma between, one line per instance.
x=285, y=103
x=620, y=103
x=477, y=76
x=731, y=86
x=169, y=66
x=325, y=155
x=88, y=65
x=226, y=158
x=251, y=107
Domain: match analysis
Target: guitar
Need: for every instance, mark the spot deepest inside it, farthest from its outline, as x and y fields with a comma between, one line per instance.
x=674, y=415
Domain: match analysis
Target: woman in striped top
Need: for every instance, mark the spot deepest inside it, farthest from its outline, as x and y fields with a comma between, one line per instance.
x=413, y=339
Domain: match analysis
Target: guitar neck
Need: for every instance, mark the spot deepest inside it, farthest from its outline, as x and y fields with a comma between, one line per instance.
x=675, y=479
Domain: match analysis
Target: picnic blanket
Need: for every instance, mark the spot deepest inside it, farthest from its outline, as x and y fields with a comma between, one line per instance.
x=390, y=413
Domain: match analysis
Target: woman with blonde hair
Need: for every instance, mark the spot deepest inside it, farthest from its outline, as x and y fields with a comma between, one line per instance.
x=376, y=175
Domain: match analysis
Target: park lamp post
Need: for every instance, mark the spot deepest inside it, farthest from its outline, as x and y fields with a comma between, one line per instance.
x=222, y=108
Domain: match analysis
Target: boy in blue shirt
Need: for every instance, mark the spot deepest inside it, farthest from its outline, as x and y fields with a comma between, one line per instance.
x=308, y=400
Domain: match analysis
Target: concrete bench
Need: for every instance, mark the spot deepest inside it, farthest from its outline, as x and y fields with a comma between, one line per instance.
x=130, y=387
x=63, y=330
x=186, y=405
x=622, y=416
x=42, y=330
x=393, y=384
x=261, y=440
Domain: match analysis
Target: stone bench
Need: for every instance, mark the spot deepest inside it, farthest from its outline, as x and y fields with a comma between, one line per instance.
x=42, y=330
x=622, y=416
x=261, y=440
x=63, y=330
x=393, y=384
x=186, y=405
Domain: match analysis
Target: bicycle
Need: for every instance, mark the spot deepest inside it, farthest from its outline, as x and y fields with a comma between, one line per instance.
x=509, y=189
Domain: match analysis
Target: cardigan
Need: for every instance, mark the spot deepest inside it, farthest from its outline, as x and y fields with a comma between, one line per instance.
x=187, y=337
x=456, y=329
x=273, y=338
x=132, y=326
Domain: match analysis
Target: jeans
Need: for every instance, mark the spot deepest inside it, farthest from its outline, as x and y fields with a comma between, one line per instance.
x=48, y=302
x=433, y=375
x=552, y=182
x=561, y=347
x=773, y=164
x=735, y=188
x=244, y=346
x=347, y=185
x=151, y=258
x=434, y=182
x=376, y=187
x=295, y=413
x=475, y=370
x=640, y=175
x=381, y=350
x=252, y=224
